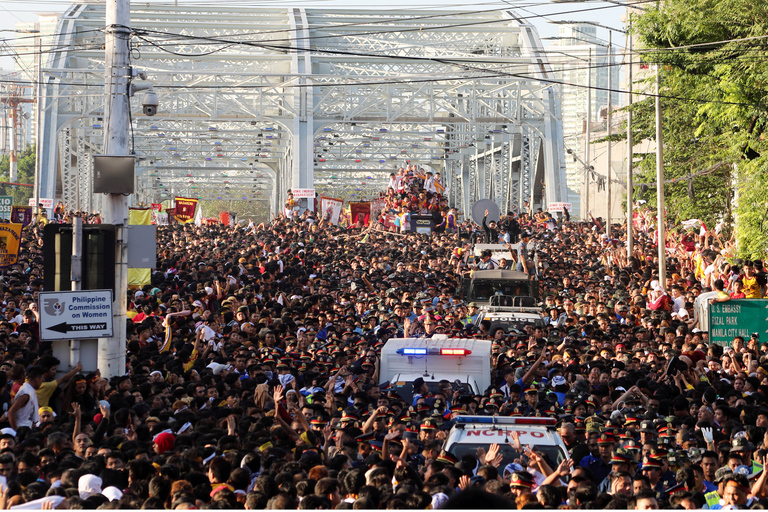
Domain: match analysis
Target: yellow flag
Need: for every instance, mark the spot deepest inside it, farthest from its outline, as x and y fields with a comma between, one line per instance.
x=140, y=216
x=139, y=276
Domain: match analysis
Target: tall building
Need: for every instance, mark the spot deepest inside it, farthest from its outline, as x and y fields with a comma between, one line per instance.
x=576, y=53
x=33, y=45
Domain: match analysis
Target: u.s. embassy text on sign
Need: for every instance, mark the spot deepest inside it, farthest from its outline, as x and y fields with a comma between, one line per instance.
x=78, y=314
x=740, y=317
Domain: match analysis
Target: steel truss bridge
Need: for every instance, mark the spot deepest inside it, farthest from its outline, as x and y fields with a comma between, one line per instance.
x=254, y=102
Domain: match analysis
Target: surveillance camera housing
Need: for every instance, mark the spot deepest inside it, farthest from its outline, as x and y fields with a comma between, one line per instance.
x=149, y=103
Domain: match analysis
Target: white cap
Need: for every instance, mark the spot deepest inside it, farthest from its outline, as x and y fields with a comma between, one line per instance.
x=112, y=493
x=88, y=485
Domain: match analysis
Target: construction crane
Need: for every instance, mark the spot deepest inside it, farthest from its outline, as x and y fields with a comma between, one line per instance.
x=13, y=96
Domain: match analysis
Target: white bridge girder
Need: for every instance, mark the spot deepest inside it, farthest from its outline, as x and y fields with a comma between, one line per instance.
x=326, y=99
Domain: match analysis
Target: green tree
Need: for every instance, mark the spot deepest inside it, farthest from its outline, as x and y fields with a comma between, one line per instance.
x=26, y=174
x=714, y=86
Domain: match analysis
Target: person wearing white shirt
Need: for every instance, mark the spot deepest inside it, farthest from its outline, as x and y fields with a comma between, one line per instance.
x=392, y=182
x=429, y=184
x=24, y=409
x=678, y=301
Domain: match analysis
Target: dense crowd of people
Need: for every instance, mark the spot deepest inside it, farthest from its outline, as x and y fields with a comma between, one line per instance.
x=252, y=376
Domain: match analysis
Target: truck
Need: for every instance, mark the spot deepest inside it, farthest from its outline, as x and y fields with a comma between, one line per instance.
x=484, y=284
x=464, y=362
x=469, y=433
x=510, y=313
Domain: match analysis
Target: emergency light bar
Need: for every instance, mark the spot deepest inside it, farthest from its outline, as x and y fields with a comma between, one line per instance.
x=412, y=351
x=507, y=420
x=434, y=351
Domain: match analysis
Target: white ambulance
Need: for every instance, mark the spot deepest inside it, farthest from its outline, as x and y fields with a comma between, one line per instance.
x=464, y=362
x=540, y=434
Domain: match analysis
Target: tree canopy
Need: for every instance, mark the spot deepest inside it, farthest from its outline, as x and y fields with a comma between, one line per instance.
x=714, y=82
x=26, y=166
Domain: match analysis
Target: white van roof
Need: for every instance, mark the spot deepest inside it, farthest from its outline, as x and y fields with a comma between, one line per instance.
x=481, y=346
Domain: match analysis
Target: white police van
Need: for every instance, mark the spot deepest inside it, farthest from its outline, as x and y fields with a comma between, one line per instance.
x=540, y=434
x=464, y=362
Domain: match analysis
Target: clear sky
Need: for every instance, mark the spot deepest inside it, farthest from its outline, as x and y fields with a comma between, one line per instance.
x=540, y=13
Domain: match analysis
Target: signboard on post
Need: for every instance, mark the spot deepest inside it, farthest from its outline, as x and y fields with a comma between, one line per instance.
x=6, y=205
x=77, y=314
x=740, y=317
x=558, y=207
x=302, y=193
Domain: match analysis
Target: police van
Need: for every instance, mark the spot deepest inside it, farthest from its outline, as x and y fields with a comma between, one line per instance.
x=540, y=434
x=464, y=362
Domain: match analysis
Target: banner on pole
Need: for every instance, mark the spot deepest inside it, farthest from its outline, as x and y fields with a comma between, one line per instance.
x=360, y=213
x=377, y=206
x=157, y=207
x=10, y=241
x=21, y=215
x=185, y=209
x=160, y=218
x=331, y=209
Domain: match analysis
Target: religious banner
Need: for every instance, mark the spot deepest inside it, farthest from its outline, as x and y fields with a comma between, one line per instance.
x=10, y=240
x=21, y=215
x=360, y=213
x=377, y=206
x=157, y=207
x=331, y=209
x=160, y=218
x=185, y=209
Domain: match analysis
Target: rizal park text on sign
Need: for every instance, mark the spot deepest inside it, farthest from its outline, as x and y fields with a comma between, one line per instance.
x=78, y=314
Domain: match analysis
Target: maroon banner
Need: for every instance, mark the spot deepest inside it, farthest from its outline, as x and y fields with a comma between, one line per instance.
x=360, y=213
x=185, y=209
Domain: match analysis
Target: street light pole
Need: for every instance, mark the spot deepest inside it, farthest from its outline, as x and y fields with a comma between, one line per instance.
x=610, y=132
x=588, y=173
x=660, y=186
x=630, y=153
x=111, y=357
x=38, y=131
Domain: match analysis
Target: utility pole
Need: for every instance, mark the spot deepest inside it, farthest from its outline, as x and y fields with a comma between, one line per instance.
x=608, y=116
x=76, y=280
x=38, y=131
x=111, y=357
x=630, y=154
x=13, y=99
x=588, y=173
x=660, y=186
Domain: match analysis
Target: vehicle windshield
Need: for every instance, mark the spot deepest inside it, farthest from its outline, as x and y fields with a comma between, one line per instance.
x=483, y=290
x=405, y=389
x=553, y=455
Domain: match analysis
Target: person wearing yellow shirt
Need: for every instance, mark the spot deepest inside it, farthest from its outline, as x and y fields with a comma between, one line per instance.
x=722, y=295
x=50, y=383
x=752, y=289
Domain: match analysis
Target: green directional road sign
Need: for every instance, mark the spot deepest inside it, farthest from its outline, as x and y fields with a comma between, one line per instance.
x=6, y=205
x=740, y=317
